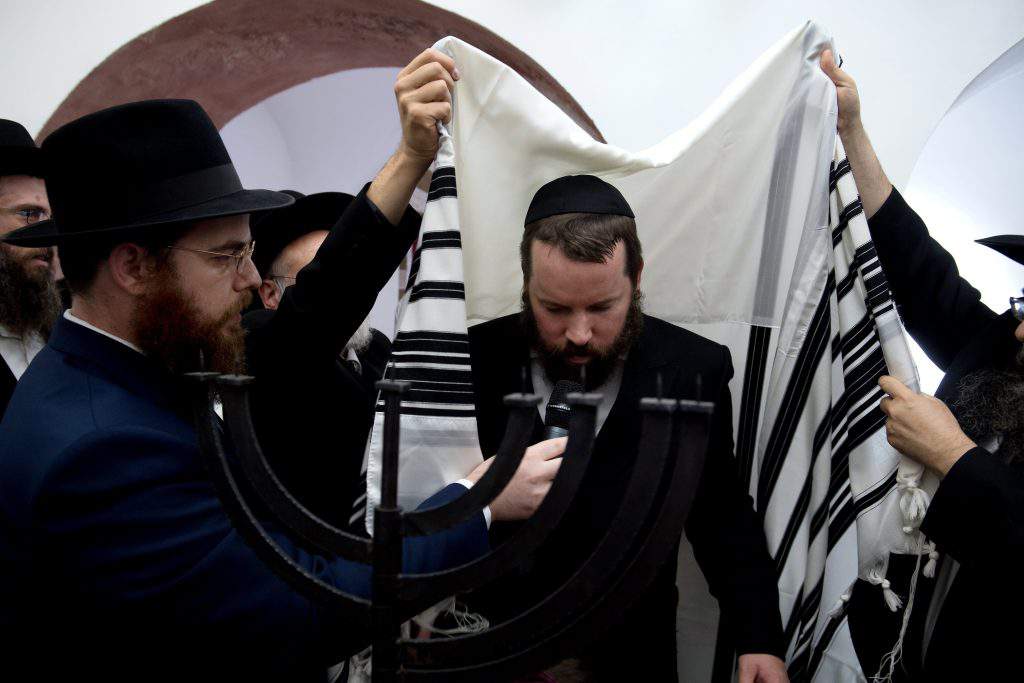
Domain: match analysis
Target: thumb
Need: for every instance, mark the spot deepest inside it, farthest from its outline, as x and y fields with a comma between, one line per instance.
x=894, y=387
x=828, y=65
x=546, y=450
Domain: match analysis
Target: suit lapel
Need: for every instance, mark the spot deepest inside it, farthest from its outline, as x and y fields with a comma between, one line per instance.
x=646, y=360
x=7, y=382
x=500, y=353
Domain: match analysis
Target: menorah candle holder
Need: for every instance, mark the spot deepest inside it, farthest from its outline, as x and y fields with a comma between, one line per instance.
x=650, y=518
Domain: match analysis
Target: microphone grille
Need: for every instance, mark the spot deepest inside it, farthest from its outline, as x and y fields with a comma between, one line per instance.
x=562, y=389
x=557, y=413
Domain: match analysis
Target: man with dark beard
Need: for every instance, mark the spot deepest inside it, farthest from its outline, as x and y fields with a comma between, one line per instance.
x=117, y=560
x=330, y=388
x=582, y=320
x=29, y=304
x=956, y=629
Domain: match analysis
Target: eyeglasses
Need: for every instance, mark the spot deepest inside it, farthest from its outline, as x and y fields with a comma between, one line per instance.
x=28, y=215
x=241, y=257
x=1017, y=306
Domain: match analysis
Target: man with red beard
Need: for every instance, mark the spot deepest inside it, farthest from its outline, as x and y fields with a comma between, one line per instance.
x=117, y=560
x=29, y=303
x=582, y=320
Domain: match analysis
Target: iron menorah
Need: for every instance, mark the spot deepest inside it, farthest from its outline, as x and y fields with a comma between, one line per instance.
x=650, y=518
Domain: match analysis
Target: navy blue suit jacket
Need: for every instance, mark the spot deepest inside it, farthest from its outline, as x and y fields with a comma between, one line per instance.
x=116, y=552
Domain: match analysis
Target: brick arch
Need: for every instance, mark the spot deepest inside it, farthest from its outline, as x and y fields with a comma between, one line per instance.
x=232, y=54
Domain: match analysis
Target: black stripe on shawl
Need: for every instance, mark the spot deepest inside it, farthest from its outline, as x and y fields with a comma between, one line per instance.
x=803, y=501
x=828, y=634
x=841, y=169
x=442, y=184
x=798, y=666
x=848, y=212
x=794, y=617
x=750, y=403
x=877, y=494
x=798, y=388
x=427, y=345
x=438, y=289
x=441, y=239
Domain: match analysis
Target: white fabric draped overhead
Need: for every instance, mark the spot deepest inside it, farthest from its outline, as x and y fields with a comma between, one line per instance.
x=753, y=236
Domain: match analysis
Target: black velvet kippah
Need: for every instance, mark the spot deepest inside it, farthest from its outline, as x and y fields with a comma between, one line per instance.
x=577, y=194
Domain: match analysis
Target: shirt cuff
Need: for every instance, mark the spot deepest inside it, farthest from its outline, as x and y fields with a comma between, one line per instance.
x=487, y=509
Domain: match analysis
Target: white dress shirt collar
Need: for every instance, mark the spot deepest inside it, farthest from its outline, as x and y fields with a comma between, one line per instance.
x=17, y=352
x=68, y=315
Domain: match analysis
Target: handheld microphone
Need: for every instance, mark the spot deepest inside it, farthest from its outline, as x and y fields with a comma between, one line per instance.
x=556, y=417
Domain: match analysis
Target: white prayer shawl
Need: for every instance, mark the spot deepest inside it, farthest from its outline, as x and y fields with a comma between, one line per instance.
x=753, y=236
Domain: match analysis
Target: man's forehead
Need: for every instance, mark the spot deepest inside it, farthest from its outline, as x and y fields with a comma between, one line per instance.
x=22, y=189
x=559, y=279
x=549, y=257
x=220, y=232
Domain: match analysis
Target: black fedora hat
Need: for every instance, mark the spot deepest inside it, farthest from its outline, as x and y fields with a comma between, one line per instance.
x=135, y=166
x=18, y=152
x=1007, y=245
x=275, y=230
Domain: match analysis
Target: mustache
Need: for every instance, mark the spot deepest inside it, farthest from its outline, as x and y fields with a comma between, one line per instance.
x=571, y=349
x=244, y=300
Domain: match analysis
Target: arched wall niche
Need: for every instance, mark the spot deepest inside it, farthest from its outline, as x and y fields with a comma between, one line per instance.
x=232, y=54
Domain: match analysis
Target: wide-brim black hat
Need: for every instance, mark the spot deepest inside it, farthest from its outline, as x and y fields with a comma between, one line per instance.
x=18, y=152
x=138, y=166
x=275, y=230
x=1007, y=245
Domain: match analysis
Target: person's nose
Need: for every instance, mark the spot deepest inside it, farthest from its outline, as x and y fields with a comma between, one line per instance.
x=579, y=331
x=248, y=277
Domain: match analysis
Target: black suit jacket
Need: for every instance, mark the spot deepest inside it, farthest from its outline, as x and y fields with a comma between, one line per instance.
x=977, y=515
x=312, y=412
x=726, y=533
x=7, y=382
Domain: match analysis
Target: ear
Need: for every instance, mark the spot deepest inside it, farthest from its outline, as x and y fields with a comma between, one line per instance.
x=639, y=272
x=270, y=294
x=131, y=267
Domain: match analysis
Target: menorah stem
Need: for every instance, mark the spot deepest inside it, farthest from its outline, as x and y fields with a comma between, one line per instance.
x=387, y=563
x=387, y=544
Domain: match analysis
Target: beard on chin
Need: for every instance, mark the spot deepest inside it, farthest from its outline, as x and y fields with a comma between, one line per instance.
x=990, y=405
x=595, y=372
x=29, y=301
x=173, y=331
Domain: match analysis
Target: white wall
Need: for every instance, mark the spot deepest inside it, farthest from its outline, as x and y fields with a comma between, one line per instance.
x=51, y=45
x=330, y=133
x=640, y=69
x=967, y=183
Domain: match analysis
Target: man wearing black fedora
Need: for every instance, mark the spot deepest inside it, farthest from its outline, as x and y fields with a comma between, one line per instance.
x=956, y=627
x=117, y=557
x=29, y=303
x=330, y=390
